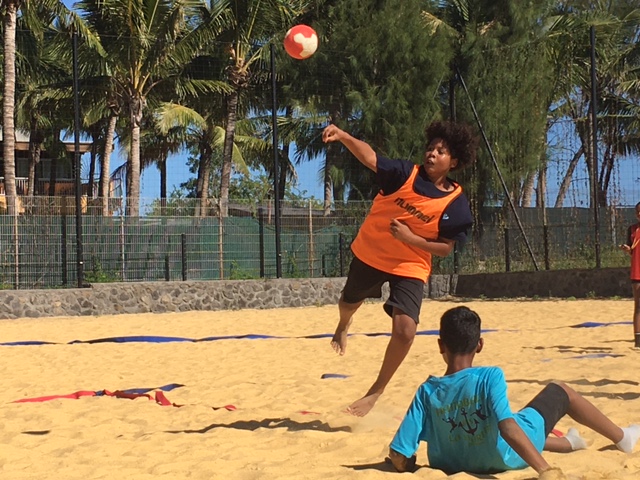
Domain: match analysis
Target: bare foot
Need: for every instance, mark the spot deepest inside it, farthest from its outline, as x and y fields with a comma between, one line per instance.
x=339, y=340
x=361, y=407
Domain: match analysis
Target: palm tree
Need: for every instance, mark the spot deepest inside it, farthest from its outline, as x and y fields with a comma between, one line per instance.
x=256, y=23
x=40, y=103
x=616, y=26
x=10, y=15
x=499, y=51
x=36, y=16
x=147, y=45
x=158, y=143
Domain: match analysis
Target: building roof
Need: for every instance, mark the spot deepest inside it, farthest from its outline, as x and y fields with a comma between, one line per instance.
x=22, y=142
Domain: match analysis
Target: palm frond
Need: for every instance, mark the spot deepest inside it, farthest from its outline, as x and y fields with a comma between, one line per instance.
x=170, y=115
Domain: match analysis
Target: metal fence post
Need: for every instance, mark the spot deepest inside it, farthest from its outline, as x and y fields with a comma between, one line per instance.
x=261, y=239
x=507, y=252
x=183, y=243
x=456, y=258
x=16, y=244
x=63, y=241
x=545, y=232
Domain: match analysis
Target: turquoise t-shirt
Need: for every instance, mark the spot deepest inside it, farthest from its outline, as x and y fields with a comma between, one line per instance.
x=457, y=415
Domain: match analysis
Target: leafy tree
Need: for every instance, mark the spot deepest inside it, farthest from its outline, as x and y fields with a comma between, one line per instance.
x=36, y=16
x=368, y=76
x=252, y=190
x=148, y=45
x=616, y=27
x=247, y=41
x=500, y=54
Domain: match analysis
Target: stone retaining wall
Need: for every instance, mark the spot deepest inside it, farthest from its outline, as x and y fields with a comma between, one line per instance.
x=159, y=297
x=578, y=283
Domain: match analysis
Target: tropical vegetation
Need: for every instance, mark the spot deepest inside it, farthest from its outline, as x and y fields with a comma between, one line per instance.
x=157, y=77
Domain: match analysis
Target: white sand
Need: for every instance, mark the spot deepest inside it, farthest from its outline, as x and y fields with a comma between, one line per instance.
x=271, y=381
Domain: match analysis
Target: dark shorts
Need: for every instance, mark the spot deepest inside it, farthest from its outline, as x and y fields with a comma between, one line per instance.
x=552, y=403
x=365, y=281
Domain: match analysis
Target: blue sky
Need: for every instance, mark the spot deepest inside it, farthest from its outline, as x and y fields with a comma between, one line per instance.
x=177, y=173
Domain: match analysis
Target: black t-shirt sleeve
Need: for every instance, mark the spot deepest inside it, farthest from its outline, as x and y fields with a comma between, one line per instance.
x=456, y=220
x=392, y=174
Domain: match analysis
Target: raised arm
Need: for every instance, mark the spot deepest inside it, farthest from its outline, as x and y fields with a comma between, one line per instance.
x=361, y=150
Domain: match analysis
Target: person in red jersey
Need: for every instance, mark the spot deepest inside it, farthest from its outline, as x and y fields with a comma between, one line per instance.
x=418, y=212
x=632, y=247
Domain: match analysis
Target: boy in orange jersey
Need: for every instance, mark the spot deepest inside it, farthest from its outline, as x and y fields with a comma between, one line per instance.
x=418, y=212
x=632, y=247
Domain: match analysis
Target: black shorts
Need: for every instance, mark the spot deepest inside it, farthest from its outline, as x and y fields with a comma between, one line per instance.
x=552, y=403
x=365, y=281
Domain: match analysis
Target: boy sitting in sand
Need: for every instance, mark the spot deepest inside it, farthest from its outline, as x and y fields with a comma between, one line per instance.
x=465, y=417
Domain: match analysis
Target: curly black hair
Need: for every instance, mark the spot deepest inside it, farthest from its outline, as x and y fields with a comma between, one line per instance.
x=459, y=138
x=460, y=330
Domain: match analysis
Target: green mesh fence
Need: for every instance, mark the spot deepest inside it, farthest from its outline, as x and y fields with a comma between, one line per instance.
x=40, y=251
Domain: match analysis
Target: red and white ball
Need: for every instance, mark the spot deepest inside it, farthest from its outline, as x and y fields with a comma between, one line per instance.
x=301, y=42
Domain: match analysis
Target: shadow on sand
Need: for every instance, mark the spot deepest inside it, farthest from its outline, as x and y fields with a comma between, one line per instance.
x=272, y=423
x=386, y=466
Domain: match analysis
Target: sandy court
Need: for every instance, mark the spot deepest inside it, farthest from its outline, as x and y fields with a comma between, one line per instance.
x=289, y=422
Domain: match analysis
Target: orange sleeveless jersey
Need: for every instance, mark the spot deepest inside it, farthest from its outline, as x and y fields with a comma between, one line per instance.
x=635, y=252
x=375, y=245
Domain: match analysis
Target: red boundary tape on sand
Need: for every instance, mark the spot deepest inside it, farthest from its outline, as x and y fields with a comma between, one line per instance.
x=73, y=396
x=158, y=397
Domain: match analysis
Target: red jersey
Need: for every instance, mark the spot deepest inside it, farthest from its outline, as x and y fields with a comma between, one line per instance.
x=634, y=242
x=376, y=246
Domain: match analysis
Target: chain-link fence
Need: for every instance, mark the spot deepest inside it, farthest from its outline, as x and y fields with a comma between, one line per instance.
x=40, y=246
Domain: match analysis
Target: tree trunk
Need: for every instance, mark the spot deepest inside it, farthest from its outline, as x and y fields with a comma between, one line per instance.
x=328, y=183
x=282, y=171
x=8, y=104
x=527, y=189
x=338, y=190
x=566, y=181
x=227, y=153
x=53, y=176
x=204, y=171
x=330, y=161
x=590, y=157
x=105, y=174
x=541, y=188
x=92, y=165
x=35, y=151
x=606, y=170
x=133, y=179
